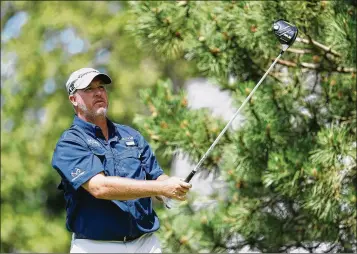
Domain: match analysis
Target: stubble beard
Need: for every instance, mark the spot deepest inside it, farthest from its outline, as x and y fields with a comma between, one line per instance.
x=93, y=114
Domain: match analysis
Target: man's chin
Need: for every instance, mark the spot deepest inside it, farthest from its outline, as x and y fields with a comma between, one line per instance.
x=101, y=112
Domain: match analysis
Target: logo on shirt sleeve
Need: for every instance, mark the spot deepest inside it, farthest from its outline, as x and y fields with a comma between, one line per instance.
x=76, y=173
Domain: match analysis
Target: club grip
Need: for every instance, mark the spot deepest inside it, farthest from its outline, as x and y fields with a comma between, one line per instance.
x=189, y=177
x=168, y=201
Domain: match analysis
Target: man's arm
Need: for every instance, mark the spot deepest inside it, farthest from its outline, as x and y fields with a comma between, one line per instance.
x=162, y=177
x=81, y=168
x=119, y=188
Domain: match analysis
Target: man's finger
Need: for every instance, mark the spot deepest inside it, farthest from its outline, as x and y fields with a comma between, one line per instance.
x=185, y=185
x=181, y=197
x=182, y=192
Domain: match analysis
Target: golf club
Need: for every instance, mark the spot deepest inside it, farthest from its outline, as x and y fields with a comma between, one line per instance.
x=286, y=34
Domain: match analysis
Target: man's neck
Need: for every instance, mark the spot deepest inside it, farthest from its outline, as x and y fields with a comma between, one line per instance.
x=100, y=121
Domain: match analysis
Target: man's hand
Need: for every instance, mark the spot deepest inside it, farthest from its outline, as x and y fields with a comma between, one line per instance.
x=175, y=188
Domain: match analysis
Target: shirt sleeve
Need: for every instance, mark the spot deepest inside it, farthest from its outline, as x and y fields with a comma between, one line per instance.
x=149, y=162
x=75, y=162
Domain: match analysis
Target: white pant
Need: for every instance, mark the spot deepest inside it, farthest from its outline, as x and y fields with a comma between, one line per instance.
x=147, y=243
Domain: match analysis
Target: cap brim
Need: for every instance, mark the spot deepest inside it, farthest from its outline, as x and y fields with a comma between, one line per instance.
x=85, y=81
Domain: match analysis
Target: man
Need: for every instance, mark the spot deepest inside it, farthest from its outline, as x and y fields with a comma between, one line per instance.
x=109, y=174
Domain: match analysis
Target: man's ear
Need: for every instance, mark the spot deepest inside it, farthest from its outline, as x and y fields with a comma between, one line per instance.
x=73, y=100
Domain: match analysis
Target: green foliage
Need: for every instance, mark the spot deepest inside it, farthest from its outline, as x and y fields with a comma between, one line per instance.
x=343, y=29
x=235, y=38
x=290, y=169
x=169, y=124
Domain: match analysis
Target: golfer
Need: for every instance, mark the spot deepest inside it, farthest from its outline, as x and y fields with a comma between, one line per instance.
x=109, y=175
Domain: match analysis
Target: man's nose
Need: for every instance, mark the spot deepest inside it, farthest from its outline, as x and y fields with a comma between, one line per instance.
x=97, y=91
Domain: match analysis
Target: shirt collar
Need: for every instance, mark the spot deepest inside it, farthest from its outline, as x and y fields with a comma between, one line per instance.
x=93, y=129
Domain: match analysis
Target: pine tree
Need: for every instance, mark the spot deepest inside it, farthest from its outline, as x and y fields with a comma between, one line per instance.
x=291, y=168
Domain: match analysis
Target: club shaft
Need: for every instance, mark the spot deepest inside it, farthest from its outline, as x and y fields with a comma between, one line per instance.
x=193, y=172
x=168, y=202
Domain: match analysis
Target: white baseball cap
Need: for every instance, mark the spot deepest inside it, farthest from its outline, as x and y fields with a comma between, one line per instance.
x=81, y=79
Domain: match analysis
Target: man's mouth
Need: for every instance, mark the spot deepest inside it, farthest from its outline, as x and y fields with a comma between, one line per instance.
x=99, y=102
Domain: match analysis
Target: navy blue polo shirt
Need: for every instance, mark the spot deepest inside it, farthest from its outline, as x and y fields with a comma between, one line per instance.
x=81, y=153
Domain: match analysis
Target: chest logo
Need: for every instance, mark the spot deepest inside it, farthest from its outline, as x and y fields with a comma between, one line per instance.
x=93, y=142
x=130, y=143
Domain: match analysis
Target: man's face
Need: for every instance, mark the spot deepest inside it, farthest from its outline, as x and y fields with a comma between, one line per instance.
x=91, y=101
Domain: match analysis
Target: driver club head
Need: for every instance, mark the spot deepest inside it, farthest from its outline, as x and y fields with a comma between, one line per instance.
x=285, y=32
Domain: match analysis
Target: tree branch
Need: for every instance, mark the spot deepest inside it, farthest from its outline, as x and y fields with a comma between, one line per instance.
x=345, y=70
x=319, y=45
x=313, y=66
x=299, y=51
x=310, y=65
x=287, y=63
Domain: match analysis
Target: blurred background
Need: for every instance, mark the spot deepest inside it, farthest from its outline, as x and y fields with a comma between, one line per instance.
x=283, y=178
